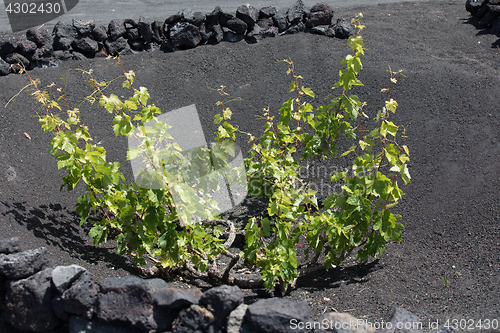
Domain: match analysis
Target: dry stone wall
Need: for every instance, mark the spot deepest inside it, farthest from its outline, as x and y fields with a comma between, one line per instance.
x=35, y=297
x=185, y=30
x=485, y=14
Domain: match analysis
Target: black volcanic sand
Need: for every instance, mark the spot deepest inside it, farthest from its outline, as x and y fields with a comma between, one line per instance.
x=449, y=102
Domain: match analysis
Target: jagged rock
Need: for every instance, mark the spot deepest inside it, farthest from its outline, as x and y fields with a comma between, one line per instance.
x=280, y=21
x=78, y=299
x=136, y=44
x=129, y=23
x=23, y=264
x=343, y=322
x=64, y=30
x=86, y=46
x=176, y=299
x=218, y=34
x=235, y=319
x=14, y=60
x=63, y=43
x=132, y=34
x=78, y=56
x=255, y=35
x=83, y=28
x=214, y=16
x=231, y=36
x=116, y=29
x=274, y=315
x=9, y=246
x=157, y=27
x=184, y=34
x=64, y=276
x=472, y=6
x=117, y=46
x=169, y=302
x=102, y=51
x=295, y=29
x=487, y=20
x=403, y=318
x=248, y=14
x=35, y=36
x=195, y=319
x=267, y=12
x=320, y=14
x=128, y=300
x=235, y=24
x=265, y=23
x=494, y=7
x=145, y=29
x=173, y=19
x=495, y=28
x=26, y=48
x=62, y=55
x=195, y=18
x=27, y=303
x=297, y=12
x=167, y=46
x=82, y=325
x=4, y=70
x=100, y=33
x=222, y=300
x=344, y=28
x=7, y=46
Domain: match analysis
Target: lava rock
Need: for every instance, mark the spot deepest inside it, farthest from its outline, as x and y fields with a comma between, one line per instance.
x=4, y=70
x=176, y=299
x=214, y=16
x=63, y=43
x=100, y=34
x=26, y=48
x=472, y=6
x=336, y=322
x=64, y=30
x=235, y=319
x=35, y=36
x=64, y=276
x=232, y=37
x=487, y=21
x=83, y=28
x=173, y=19
x=195, y=18
x=403, y=318
x=195, y=319
x=325, y=31
x=117, y=46
x=10, y=245
x=235, y=24
x=78, y=56
x=297, y=12
x=79, y=299
x=87, y=46
x=157, y=27
x=116, y=29
x=132, y=34
x=280, y=21
x=274, y=315
x=222, y=299
x=344, y=28
x=320, y=14
x=495, y=28
x=27, y=303
x=295, y=29
x=184, y=34
x=145, y=29
x=248, y=14
x=267, y=12
x=23, y=264
x=255, y=35
x=7, y=46
x=167, y=46
x=82, y=325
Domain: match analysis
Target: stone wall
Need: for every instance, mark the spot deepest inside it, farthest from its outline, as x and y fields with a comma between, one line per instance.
x=187, y=29
x=485, y=14
x=34, y=297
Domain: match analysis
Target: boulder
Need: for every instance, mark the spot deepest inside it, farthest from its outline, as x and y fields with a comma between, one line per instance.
x=169, y=302
x=63, y=43
x=116, y=29
x=495, y=28
x=173, y=19
x=145, y=30
x=9, y=246
x=280, y=21
x=157, y=27
x=26, y=48
x=235, y=319
x=235, y=24
x=83, y=325
x=222, y=300
x=195, y=319
x=344, y=28
x=401, y=317
x=472, y=6
x=83, y=28
x=64, y=30
x=231, y=36
x=295, y=29
x=267, y=12
x=487, y=21
x=214, y=16
x=320, y=14
x=64, y=276
x=86, y=46
x=116, y=46
x=274, y=315
x=195, y=18
x=184, y=34
x=78, y=299
x=28, y=303
x=36, y=37
x=23, y=264
x=129, y=301
x=4, y=70
x=7, y=46
x=297, y=13
x=343, y=322
x=78, y=56
x=248, y=14
x=100, y=34
x=132, y=34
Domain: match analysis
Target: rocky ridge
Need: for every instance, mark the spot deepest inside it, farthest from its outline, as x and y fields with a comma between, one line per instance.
x=40, y=48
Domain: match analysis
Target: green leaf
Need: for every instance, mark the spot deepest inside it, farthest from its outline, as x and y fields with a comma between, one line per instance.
x=405, y=173
x=266, y=226
x=388, y=127
x=292, y=86
x=308, y=91
x=391, y=105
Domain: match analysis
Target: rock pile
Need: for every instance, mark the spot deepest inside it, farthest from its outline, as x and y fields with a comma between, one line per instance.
x=187, y=29
x=34, y=297
x=485, y=14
